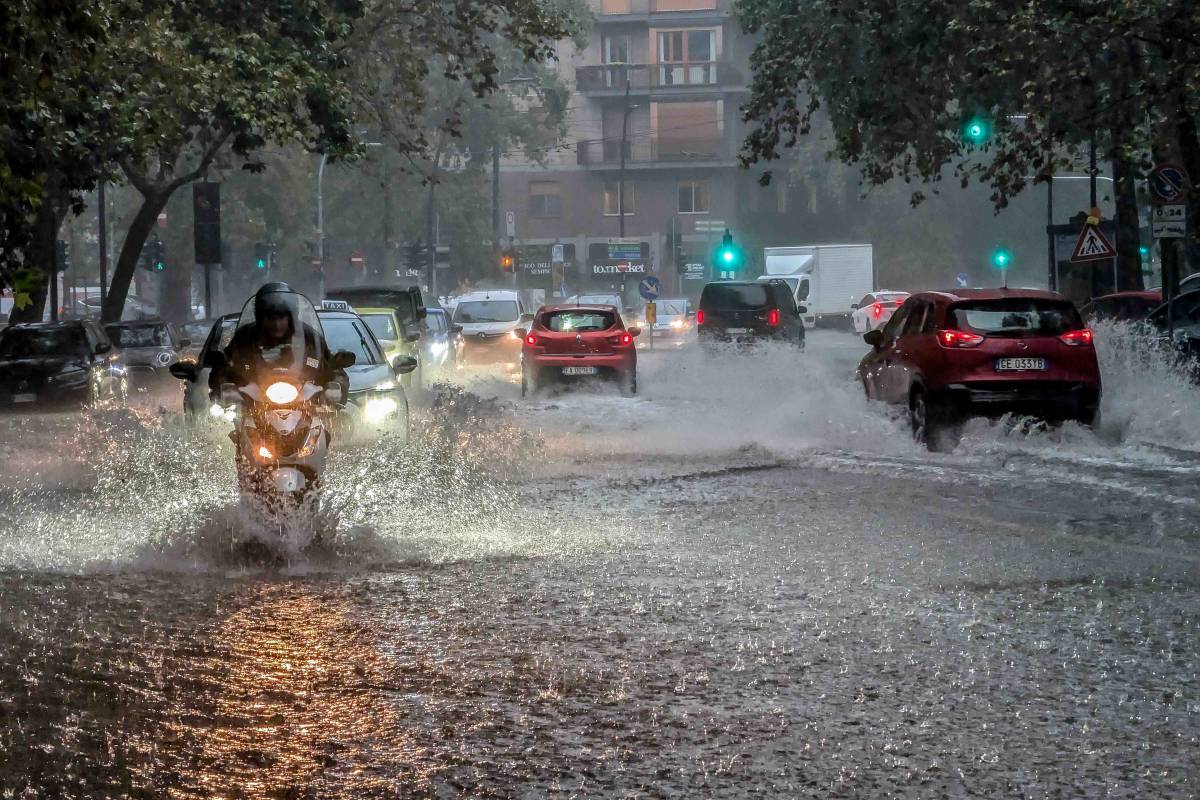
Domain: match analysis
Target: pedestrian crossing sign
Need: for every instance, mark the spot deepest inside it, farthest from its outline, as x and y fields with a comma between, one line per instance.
x=1092, y=246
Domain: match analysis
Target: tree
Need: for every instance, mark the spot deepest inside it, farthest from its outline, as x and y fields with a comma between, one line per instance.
x=898, y=82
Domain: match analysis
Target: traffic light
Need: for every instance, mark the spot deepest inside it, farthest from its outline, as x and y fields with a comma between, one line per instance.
x=1001, y=258
x=976, y=131
x=728, y=256
x=154, y=256
x=262, y=256
x=415, y=255
x=274, y=256
x=508, y=261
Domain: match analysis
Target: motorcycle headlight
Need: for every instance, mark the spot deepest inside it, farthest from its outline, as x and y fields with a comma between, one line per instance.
x=281, y=393
x=379, y=408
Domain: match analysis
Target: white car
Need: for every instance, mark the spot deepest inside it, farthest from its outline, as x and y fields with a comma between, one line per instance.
x=490, y=321
x=875, y=309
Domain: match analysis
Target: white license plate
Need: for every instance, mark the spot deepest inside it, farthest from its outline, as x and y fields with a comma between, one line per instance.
x=1017, y=364
x=736, y=331
x=24, y=398
x=578, y=370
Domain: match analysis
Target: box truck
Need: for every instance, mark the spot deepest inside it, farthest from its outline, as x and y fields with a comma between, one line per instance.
x=824, y=278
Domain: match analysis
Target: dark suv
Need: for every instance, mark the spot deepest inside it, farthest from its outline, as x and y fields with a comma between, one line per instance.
x=749, y=311
x=983, y=352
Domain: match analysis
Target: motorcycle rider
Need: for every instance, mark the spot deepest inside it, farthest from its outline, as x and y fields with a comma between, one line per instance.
x=274, y=329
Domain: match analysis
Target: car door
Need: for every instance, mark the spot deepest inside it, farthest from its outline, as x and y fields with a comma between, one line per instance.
x=888, y=381
x=909, y=351
x=195, y=392
x=860, y=314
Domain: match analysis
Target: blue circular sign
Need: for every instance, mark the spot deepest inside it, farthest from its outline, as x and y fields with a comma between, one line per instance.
x=1168, y=183
x=963, y=280
x=649, y=287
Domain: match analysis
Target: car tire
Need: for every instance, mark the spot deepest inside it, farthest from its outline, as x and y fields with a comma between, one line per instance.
x=1089, y=417
x=933, y=425
x=628, y=382
x=529, y=382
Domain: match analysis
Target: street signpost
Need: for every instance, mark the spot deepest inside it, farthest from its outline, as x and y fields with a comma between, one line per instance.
x=649, y=288
x=510, y=224
x=1169, y=221
x=963, y=280
x=1169, y=185
x=1092, y=245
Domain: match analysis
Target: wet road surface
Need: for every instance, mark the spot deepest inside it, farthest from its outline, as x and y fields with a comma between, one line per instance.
x=744, y=583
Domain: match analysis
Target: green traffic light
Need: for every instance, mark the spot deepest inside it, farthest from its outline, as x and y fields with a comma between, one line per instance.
x=976, y=131
x=727, y=256
x=1001, y=258
x=1143, y=251
x=159, y=266
x=261, y=264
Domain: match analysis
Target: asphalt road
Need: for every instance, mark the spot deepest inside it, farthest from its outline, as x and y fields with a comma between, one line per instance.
x=745, y=582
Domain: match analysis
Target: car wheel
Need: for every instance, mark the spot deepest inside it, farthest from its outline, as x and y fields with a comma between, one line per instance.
x=529, y=382
x=932, y=424
x=628, y=382
x=1089, y=417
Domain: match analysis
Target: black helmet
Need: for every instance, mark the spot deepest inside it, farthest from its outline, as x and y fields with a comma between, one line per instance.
x=275, y=299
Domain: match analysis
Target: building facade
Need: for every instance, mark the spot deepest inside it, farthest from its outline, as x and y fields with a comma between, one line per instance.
x=660, y=81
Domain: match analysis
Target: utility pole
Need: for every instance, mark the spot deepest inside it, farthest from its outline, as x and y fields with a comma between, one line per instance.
x=321, y=229
x=621, y=170
x=103, y=220
x=1052, y=281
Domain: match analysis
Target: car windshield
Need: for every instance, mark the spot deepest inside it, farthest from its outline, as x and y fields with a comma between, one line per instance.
x=435, y=322
x=578, y=321
x=486, y=311
x=352, y=335
x=197, y=330
x=1017, y=317
x=671, y=308
x=32, y=343
x=734, y=295
x=139, y=335
x=382, y=325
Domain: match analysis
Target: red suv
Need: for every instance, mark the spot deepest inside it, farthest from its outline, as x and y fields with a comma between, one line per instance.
x=983, y=352
x=578, y=341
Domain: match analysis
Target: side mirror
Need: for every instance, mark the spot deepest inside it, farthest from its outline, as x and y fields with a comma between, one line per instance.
x=521, y=332
x=854, y=306
x=456, y=328
x=184, y=370
x=415, y=336
x=635, y=331
x=801, y=309
x=527, y=318
x=185, y=342
x=874, y=338
x=342, y=359
x=102, y=348
x=214, y=359
x=404, y=365
x=333, y=393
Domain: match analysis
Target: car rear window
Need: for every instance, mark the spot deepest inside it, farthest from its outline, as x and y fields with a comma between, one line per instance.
x=31, y=343
x=578, y=320
x=139, y=335
x=1017, y=317
x=382, y=325
x=734, y=295
x=487, y=311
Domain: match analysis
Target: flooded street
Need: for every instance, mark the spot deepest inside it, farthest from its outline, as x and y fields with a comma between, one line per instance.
x=744, y=582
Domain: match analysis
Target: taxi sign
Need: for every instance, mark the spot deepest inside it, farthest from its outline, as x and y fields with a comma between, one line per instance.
x=336, y=305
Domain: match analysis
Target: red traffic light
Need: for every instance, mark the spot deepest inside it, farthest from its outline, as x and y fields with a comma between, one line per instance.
x=507, y=262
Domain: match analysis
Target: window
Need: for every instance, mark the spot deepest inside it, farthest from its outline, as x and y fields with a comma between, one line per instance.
x=688, y=129
x=353, y=336
x=686, y=57
x=382, y=325
x=894, y=325
x=544, y=199
x=578, y=321
x=615, y=48
x=693, y=197
x=487, y=311
x=139, y=335
x=610, y=199
x=734, y=296
x=1016, y=317
x=916, y=320
x=614, y=6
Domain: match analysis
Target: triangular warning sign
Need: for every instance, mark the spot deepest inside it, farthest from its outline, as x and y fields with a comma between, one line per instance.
x=1092, y=246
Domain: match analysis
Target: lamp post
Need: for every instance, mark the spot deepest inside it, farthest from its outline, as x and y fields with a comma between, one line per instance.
x=321, y=217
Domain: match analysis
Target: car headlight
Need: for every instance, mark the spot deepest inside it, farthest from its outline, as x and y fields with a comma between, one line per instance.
x=379, y=408
x=437, y=348
x=677, y=323
x=218, y=411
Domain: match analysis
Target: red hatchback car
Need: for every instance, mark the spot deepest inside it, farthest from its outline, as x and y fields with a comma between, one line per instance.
x=983, y=352
x=578, y=341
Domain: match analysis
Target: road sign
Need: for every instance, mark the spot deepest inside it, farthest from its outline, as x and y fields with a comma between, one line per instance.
x=649, y=287
x=1092, y=246
x=556, y=253
x=1170, y=221
x=357, y=259
x=693, y=272
x=651, y=314
x=1168, y=183
x=703, y=225
x=962, y=279
x=510, y=223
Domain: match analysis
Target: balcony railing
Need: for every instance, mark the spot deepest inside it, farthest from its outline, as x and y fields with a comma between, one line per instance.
x=643, y=77
x=607, y=152
x=617, y=8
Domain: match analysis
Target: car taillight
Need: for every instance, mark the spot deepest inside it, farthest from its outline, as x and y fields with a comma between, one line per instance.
x=625, y=339
x=1076, y=338
x=700, y=317
x=773, y=317
x=531, y=340
x=877, y=308
x=958, y=339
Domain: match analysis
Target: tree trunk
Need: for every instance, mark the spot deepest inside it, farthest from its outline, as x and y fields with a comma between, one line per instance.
x=131, y=251
x=41, y=255
x=1129, y=257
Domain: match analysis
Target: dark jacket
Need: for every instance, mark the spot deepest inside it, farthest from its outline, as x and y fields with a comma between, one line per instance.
x=243, y=359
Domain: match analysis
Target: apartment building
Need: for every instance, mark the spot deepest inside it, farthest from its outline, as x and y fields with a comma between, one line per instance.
x=661, y=79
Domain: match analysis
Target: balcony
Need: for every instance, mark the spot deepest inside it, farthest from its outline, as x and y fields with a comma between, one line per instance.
x=640, y=154
x=643, y=10
x=670, y=78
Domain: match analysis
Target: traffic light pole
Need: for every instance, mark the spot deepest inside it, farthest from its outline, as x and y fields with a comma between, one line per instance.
x=321, y=230
x=103, y=220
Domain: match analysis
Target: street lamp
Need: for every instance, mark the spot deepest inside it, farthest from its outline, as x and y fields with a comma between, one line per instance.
x=321, y=216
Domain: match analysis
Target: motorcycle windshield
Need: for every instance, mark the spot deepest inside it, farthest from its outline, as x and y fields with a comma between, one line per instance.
x=278, y=336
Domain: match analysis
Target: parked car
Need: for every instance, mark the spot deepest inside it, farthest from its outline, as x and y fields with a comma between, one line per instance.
x=195, y=332
x=568, y=342
x=1185, y=319
x=1190, y=283
x=875, y=309
x=1122, y=306
x=440, y=341
x=148, y=349
x=749, y=311
x=59, y=364
x=946, y=356
x=194, y=373
x=489, y=321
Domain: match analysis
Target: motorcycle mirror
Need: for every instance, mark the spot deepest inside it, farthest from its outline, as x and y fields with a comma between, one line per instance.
x=214, y=359
x=342, y=359
x=404, y=365
x=183, y=370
